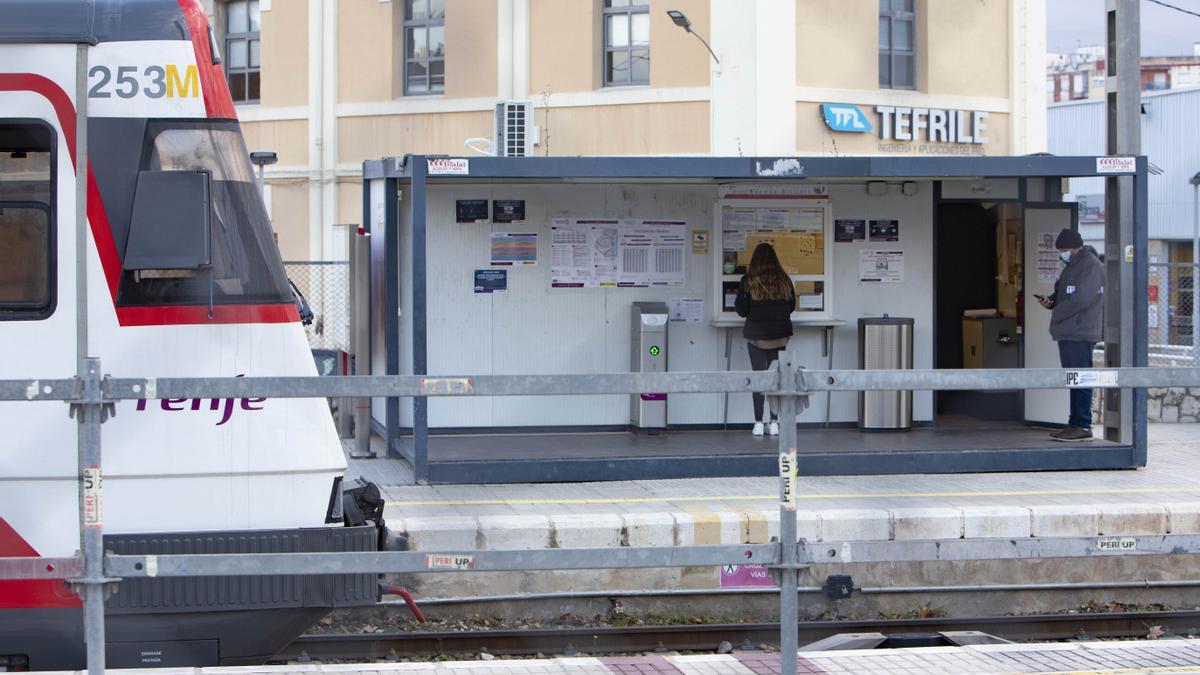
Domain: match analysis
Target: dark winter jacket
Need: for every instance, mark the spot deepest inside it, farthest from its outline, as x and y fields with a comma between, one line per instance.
x=765, y=319
x=1078, y=309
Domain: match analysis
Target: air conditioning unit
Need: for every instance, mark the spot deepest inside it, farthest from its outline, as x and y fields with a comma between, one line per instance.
x=515, y=132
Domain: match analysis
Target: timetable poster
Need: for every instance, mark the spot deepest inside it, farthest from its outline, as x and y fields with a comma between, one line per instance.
x=594, y=252
x=652, y=253
x=514, y=248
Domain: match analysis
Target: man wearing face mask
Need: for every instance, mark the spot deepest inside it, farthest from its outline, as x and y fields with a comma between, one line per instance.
x=1076, y=323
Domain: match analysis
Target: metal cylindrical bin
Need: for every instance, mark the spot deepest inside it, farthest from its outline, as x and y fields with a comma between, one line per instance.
x=885, y=343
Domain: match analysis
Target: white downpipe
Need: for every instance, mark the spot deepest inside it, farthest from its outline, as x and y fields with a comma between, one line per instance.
x=329, y=130
x=504, y=49
x=520, y=49
x=316, y=125
x=1027, y=118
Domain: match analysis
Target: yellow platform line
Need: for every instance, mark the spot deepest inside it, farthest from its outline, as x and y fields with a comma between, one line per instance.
x=802, y=496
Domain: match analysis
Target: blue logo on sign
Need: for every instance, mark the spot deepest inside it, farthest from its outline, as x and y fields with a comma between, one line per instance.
x=843, y=117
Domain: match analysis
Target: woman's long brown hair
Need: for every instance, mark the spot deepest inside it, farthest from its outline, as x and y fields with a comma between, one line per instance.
x=766, y=279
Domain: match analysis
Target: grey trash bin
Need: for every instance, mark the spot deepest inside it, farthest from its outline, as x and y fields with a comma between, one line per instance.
x=885, y=343
x=648, y=333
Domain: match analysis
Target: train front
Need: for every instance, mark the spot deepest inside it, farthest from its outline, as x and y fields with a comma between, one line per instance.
x=185, y=280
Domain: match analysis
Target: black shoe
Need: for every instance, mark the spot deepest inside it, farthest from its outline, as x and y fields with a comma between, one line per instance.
x=1073, y=434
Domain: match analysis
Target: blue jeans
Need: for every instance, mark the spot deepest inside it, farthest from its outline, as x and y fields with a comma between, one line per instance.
x=1078, y=354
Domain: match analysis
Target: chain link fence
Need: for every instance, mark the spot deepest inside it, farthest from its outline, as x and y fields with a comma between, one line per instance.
x=1171, y=292
x=326, y=286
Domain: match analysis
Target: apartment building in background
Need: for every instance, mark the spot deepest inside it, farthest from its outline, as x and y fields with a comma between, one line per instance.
x=329, y=83
x=1080, y=74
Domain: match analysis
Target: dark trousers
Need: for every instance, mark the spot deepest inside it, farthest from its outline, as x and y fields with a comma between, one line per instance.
x=760, y=359
x=1078, y=354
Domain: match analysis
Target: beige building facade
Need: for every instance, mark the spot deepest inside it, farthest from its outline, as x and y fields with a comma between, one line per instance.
x=335, y=82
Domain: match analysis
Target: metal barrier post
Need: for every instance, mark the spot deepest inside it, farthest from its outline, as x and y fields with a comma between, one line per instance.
x=89, y=411
x=789, y=610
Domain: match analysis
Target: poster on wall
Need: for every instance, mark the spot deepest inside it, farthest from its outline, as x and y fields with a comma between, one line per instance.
x=572, y=254
x=885, y=230
x=880, y=267
x=508, y=211
x=1048, y=263
x=491, y=281
x=589, y=253
x=471, y=210
x=652, y=253
x=514, y=248
x=845, y=231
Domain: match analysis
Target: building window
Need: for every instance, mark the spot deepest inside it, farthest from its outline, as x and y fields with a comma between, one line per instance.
x=242, y=50
x=26, y=222
x=1079, y=85
x=424, y=47
x=897, y=45
x=626, y=42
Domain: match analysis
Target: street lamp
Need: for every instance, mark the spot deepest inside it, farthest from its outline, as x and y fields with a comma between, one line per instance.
x=1195, y=181
x=261, y=158
x=683, y=22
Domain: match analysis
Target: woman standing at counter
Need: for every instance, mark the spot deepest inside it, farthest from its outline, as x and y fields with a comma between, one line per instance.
x=765, y=300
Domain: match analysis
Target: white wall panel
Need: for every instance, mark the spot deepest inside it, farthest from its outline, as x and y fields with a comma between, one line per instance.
x=536, y=329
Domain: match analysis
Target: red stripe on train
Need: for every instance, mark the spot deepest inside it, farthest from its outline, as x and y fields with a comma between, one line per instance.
x=34, y=593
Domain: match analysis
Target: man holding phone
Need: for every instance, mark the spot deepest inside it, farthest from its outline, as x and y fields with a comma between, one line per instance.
x=1076, y=323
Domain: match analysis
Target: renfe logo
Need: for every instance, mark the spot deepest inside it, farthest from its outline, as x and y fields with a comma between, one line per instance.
x=841, y=117
x=224, y=407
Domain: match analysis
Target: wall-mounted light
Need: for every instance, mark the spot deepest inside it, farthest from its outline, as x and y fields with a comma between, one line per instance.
x=908, y=188
x=877, y=188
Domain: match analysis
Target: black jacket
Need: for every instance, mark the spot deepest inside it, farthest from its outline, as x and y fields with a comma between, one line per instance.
x=1078, y=309
x=765, y=319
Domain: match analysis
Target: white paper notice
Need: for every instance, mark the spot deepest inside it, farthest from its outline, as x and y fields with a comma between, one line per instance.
x=880, y=267
x=1048, y=263
x=735, y=223
x=652, y=253
x=774, y=220
x=571, y=259
x=686, y=309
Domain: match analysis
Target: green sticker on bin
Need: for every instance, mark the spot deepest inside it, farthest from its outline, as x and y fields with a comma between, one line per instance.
x=654, y=350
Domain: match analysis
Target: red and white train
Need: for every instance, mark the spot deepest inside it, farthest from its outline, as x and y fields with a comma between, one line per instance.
x=184, y=279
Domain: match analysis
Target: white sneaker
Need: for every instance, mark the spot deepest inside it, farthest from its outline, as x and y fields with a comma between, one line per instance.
x=773, y=428
x=758, y=429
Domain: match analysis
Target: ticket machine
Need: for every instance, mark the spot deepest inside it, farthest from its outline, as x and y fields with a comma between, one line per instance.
x=648, y=354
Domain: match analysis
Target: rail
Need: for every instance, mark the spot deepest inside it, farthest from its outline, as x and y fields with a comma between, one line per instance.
x=92, y=396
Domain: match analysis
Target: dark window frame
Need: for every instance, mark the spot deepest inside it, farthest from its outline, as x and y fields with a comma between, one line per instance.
x=249, y=69
x=23, y=311
x=890, y=52
x=629, y=11
x=427, y=23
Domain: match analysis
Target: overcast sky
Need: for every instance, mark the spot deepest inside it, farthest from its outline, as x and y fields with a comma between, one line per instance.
x=1165, y=32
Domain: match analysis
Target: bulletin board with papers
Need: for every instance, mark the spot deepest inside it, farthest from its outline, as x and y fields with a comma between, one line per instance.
x=797, y=228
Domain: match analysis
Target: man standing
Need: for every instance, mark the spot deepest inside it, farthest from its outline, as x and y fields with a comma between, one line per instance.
x=1077, y=323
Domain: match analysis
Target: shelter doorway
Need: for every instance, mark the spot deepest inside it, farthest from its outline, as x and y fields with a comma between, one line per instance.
x=977, y=272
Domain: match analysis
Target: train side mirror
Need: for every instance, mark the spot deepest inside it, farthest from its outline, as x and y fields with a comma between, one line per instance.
x=171, y=226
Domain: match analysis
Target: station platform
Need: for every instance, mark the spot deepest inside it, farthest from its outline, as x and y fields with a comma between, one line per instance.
x=1158, y=656
x=1162, y=498
x=955, y=444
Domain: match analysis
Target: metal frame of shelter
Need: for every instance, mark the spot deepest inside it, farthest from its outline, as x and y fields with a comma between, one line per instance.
x=1126, y=328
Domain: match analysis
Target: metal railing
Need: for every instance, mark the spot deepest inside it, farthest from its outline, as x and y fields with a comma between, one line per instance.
x=91, y=397
x=326, y=286
x=1172, y=314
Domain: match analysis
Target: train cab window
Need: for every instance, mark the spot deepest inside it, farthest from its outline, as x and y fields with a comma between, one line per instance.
x=26, y=222
x=245, y=267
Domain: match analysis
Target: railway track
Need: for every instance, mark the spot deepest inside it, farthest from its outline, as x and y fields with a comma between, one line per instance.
x=614, y=639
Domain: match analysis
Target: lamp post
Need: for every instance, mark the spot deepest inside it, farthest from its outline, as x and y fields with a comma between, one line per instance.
x=261, y=158
x=683, y=22
x=1195, y=181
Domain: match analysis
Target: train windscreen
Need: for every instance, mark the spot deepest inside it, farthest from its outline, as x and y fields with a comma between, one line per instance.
x=245, y=263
